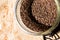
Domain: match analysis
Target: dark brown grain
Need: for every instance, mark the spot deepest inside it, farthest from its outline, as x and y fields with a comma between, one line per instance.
x=44, y=11
x=38, y=15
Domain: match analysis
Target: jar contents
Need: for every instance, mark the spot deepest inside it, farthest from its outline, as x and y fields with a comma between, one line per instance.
x=38, y=15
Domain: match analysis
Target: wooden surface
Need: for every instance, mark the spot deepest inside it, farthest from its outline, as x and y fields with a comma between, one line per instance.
x=9, y=28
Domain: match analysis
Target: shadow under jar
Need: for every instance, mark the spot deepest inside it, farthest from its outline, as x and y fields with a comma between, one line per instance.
x=38, y=17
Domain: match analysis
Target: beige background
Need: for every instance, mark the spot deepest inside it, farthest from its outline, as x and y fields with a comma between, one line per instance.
x=9, y=28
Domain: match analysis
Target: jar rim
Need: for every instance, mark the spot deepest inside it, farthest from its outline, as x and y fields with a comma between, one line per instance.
x=17, y=10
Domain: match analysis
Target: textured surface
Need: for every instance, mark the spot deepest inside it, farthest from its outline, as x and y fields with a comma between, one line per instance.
x=28, y=18
x=9, y=28
x=44, y=11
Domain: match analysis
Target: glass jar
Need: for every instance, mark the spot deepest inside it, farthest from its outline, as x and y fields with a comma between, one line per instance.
x=26, y=29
